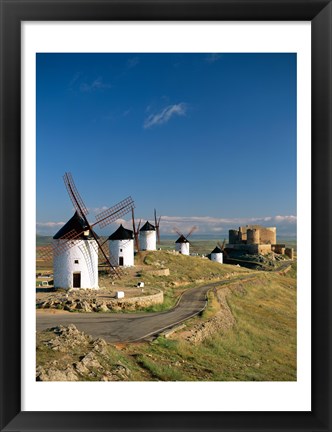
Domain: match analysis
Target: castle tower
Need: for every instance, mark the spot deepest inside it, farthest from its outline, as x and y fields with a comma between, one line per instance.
x=147, y=237
x=121, y=247
x=182, y=245
x=253, y=236
x=217, y=255
x=75, y=266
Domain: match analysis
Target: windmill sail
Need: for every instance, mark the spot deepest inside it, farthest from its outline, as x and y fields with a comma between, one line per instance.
x=86, y=229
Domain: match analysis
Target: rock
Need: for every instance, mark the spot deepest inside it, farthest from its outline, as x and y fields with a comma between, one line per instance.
x=100, y=346
x=81, y=368
x=91, y=361
x=53, y=374
x=102, y=308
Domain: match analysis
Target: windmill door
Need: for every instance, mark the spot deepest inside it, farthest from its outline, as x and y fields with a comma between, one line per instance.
x=120, y=261
x=77, y=280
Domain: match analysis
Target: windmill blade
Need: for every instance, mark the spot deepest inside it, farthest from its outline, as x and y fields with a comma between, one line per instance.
x=60, y=247
x=194, y=228
x=178, y=232
x=222, y=246
x=74, y=195
x=45, y=253
x=156, y=222
x=135, y=230
x=137, y=235
x=112, y=214
x=104, y=254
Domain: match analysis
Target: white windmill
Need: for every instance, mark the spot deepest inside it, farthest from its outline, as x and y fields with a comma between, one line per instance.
x=182, y=243
x=217, y=255
x=147, y=237
x=121, y=247
x=77, y=266
x=77, y=248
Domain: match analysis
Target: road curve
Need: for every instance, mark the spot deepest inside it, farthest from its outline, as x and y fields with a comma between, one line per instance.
x=131, y=327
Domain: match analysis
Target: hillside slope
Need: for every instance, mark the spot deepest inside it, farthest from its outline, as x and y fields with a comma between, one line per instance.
x=247, y=333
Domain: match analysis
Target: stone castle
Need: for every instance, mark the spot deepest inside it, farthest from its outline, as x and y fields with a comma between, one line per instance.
x=257, y=239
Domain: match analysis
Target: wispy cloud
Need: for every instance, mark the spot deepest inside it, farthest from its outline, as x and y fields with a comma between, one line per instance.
x=212, y=58
x=165, y=115
x=75, y=80
x=286, y=224
x=97, y=84
x=126, y=112
x=81, y=83
x=49, y=224
x=97, y=210
x=209, y=225
x=48, y=228
x=132, y=62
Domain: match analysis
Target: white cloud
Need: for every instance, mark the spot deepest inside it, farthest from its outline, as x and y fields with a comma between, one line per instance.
x=75, y=79
x=97, y=84
x=212, y=58
x=165, y=115
x=209, y=225
x=286, y=225
x=49, y=224
x=97, y=210
x=132, y=62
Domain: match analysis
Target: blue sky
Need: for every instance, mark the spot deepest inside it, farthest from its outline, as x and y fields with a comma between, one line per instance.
x=206, y=139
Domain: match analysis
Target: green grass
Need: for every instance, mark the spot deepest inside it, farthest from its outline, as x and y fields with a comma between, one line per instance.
x=260, y=347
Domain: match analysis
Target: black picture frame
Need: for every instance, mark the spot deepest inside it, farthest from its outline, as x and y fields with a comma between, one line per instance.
x=13, y=12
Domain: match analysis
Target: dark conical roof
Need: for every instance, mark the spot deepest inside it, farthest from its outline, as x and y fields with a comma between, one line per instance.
x=77, y=224
x=148, y=227
x=182, y=239
x=216, y=250
x=121, y=234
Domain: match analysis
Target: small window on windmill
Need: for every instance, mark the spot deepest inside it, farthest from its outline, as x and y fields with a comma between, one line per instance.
x=76, y=261
x=120, y=250
x=86, y=233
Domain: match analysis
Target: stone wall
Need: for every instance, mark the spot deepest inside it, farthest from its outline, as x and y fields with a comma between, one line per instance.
x=290, y=253
x=268, y=235
x=160, y=272
x=103, y=305
x=279, y=248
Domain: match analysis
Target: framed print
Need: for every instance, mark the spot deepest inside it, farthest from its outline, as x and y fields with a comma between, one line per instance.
x=216, y=114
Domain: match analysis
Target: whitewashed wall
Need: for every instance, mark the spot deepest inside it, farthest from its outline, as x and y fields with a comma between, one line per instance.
x=183, y=248
x=218, y=257
x=147, y=240
x=64, y=264
x=122, y=248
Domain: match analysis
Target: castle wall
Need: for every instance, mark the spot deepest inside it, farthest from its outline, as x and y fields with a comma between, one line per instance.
x=279, y=248
x=263, y=249
x=253, y=236
x=268, y=235
x=290, y=253
x=242, y=234
x=233, y=236
x=251, y=248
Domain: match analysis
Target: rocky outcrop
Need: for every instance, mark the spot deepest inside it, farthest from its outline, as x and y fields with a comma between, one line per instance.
x=102, y=305
x=94, y=365
x=222, y=321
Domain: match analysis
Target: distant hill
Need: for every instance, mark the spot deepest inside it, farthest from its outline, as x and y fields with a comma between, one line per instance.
x=43, y=240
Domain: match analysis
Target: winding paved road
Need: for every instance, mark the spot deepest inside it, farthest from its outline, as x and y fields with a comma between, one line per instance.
x=130, y=327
